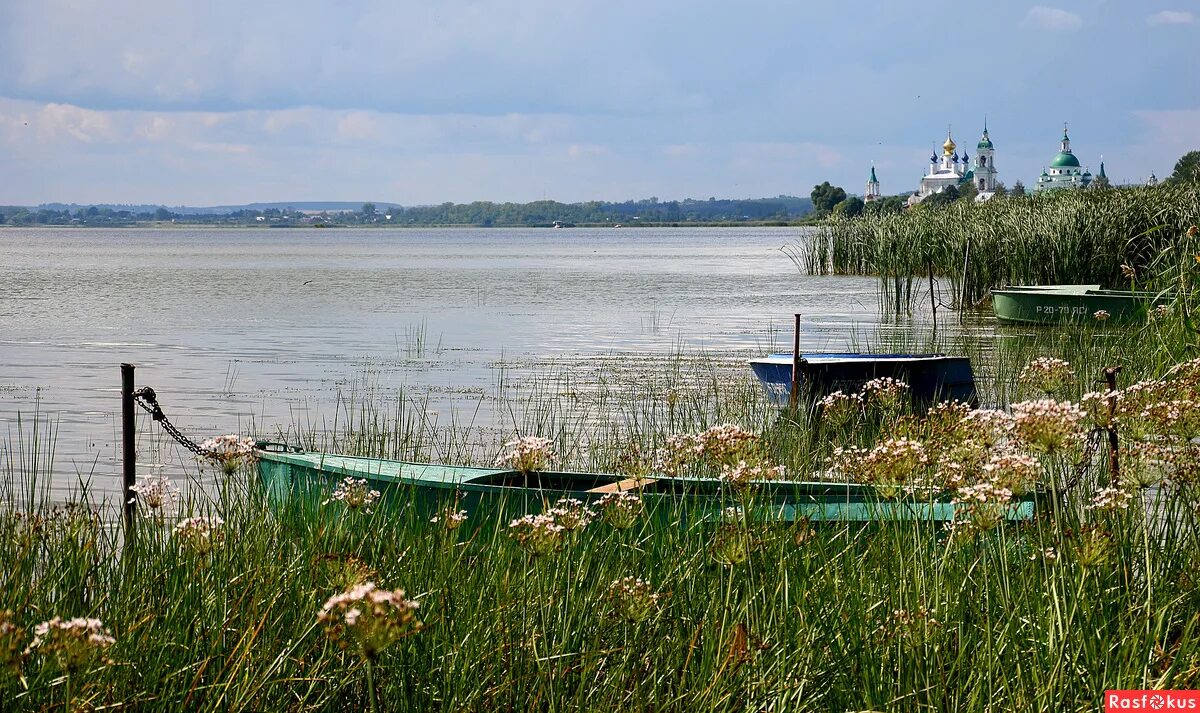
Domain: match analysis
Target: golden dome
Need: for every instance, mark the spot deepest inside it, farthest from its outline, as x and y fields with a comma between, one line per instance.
x=949, y=146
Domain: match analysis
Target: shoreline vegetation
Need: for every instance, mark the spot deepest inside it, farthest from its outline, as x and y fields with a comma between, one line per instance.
x=782, y=210
x=224, y=599
x=1064, y=237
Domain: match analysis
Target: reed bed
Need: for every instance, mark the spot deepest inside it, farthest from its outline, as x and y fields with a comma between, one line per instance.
x=1065, y=237
x=224, y=613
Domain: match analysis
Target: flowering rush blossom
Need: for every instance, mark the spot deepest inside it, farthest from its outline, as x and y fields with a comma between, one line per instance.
x=200, y=534
x=74, y=643
x=229, y=451
x=632, y=599
x=678, y=453
x=889, y=466
x=356, y=494
x=1111, y=499
x=1046, y=425
x=725, y=444
x=884, y=393
x=1017, y=472
x=156, y=493
x=839, y=409
x=527, y=454
x=621, y=509
x=571, y=514
x=537, y=534
x=984, y=506
x=451, y=518
x=369, y=619
x=11, y=637
x=1048, y=555
x=741, y=475
x=1047, y=374
x=1100, y=315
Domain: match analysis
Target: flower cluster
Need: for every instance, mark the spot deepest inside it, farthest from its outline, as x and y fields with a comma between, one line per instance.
x=571, y=514
x=733, y=544
x=621, y=509
x=725, y=444
x=1047, y=374
x=74, y=644
x=450, y=518
x=156, y=493
x=1015, y=472
x=1111, y=499
x=11, y=637
x=230, y=451
x=537, y=534
x=1049, y=555
x=981, y=507
x=885, y=394
x=527, y=454
x=632, y=599
x=677, y=454
x=1046, y=425
x=1101, y=315
x=839, y=409
x=890, y=466
x=200, y=534
x=356, y=494
x=369, y=619
x=741, y=475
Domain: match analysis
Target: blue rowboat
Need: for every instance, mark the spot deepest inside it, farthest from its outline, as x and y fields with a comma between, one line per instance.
x=302, y=479
x=931, y=377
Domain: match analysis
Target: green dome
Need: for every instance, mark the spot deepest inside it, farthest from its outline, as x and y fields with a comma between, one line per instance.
x=1065, y=159
x=984, y=144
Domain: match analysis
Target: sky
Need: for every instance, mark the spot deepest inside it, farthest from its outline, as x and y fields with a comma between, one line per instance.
x=179, y=102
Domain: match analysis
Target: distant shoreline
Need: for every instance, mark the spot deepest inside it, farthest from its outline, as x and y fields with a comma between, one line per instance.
x=168, y=225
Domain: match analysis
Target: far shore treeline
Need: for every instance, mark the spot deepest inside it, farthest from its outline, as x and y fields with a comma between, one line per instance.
x=780, y=210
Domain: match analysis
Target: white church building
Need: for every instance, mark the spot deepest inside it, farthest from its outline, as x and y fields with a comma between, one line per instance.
x=954, y=170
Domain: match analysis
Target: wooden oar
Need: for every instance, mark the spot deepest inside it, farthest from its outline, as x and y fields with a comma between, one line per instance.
x=623, y=485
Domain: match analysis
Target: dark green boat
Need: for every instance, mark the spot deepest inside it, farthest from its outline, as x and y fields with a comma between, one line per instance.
x=289, y=474
x=1059, y=304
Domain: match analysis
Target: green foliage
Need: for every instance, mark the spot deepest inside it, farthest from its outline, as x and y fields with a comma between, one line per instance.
x=852, y=207
x=1187, y=168
x=368, y=210
x=1062, y=237
x=826, y=196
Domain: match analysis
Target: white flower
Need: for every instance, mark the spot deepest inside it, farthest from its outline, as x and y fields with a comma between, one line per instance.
x=200, y=534
x=356, y=494
x=156, y=493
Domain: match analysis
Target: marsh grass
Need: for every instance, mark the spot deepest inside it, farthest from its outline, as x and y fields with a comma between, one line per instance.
x=1066, y=237
x=885, y=616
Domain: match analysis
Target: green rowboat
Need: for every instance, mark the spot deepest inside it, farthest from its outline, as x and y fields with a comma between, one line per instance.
x=1058, y=304
x=292, y=475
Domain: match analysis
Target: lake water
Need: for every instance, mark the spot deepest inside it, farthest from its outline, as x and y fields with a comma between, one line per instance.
x=233, y=327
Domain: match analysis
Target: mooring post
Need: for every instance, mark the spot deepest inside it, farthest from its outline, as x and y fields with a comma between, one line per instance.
x=1114, y=464
x=794, y=394
x=128, y=451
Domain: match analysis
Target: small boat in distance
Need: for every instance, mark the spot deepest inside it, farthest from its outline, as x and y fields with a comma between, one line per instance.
x=295, y=478
x=931, y=377
x=1058, y=304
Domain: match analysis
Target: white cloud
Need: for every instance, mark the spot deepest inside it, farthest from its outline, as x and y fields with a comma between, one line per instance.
x=1052, y=18
x=1171, y=17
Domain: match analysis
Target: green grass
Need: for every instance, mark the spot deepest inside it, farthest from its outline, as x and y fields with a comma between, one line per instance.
x=1065, y=237
x=810, y=622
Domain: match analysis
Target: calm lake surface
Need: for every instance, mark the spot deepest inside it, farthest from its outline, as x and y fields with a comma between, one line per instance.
x=263, y=328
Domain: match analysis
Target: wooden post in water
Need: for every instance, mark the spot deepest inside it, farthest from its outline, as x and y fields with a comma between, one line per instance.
x=1114, y=464
x=128, y=450
x=794, y=394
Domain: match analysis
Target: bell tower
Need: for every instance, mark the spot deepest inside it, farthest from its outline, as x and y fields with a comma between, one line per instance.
x=872, y=192
x=985, y=163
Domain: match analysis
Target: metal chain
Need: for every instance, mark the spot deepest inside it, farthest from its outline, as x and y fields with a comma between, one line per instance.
x=146, y=398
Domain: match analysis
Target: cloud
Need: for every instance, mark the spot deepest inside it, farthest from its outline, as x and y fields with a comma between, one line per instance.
x=1052, y=18
x=1171, y=17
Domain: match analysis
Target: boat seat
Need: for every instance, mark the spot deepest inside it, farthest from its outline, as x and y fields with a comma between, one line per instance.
x=622, y=485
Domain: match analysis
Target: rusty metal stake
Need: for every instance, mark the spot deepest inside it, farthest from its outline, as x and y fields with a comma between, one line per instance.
x=128, y=450
x=794, y=394
x=1114, y=464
